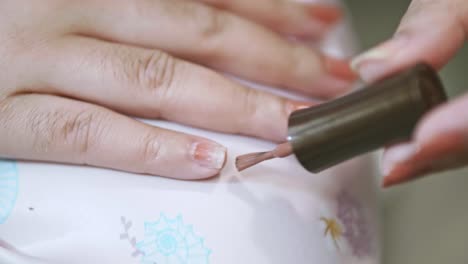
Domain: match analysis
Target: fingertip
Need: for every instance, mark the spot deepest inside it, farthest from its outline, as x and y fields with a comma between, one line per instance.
x=332, y=78
x=386, y=183
x=396, y=155
x=185, y=157
x=328, y=87
x=264, y=115
x=209, y=155
x=292, y=106
x=379, y=62
x=326, y=14
x=390, y=182
x=339, y=68
x=397, y=175
x=312, y=21
x=441, y=120
x=404, y=173
x=442, y=152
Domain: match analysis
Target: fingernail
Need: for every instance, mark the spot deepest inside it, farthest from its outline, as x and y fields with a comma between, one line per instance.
x=407, y=171
x=292, y=106
x=339, y=68
x=334, y=87
x=208, y=154
x=326, y=14
x=444, y=151
x=376, y=63
x=396, y=155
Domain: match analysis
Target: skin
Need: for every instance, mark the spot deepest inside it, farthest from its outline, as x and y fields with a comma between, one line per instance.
x=431, y=31
x=73, y=71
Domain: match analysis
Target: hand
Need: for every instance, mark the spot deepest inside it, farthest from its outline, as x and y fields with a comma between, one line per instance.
x=70, y=72
x=431, y=31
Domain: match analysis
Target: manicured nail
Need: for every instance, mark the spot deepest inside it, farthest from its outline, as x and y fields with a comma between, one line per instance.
x=208, y=154
x=326, y=14
x=396, y=155
x=375, y=63
x=335, y=87
x=339, y=68
x=292, y=106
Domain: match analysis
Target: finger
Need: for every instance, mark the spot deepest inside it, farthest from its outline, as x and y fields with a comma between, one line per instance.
x=284, y=16
x=220, y=40
x=49, y=128
x=431, y=31
x=440, y=142
x=153, y=84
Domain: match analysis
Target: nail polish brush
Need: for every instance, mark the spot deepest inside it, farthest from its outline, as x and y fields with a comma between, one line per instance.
x=374, y=116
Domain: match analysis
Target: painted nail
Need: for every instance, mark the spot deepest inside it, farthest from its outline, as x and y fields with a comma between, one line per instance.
x=396, y=155
x=208, y=154
x=326, y=14
x=334, y=87
x=375, y=63
x=339, y=68
x=292, y=106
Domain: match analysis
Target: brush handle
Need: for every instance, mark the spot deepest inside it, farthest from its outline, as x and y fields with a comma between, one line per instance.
x=365, y=120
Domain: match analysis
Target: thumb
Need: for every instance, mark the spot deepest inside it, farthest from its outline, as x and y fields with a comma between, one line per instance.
x=431, y=31
x=440, y=142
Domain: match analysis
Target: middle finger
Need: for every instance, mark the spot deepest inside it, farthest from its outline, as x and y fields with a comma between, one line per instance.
x=218, y=39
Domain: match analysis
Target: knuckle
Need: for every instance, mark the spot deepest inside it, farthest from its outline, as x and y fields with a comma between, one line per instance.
x=56, y=128
x=209, y=22
x=250, y=102
x=293, y=65
x=80, y=130
x=155, y=73
x=41, y=125
x=8, y=115
x=150, y=150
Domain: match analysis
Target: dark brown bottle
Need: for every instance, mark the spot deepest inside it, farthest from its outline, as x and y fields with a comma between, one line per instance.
x=365, y=120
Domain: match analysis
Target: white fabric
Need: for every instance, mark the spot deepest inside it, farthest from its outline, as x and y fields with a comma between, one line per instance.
x=270, y=214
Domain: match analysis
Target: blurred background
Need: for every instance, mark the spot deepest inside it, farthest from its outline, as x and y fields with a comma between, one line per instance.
x=425, y=221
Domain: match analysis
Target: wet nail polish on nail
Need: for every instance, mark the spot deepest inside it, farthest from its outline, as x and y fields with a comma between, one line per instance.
x=292, y=106
x=208, y=154
x=326, y=14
